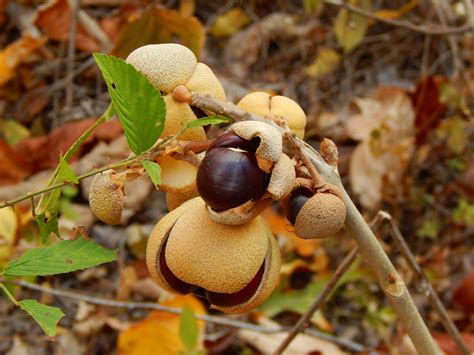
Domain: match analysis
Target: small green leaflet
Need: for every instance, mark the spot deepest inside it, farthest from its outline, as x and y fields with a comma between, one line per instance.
x=139, y=106
x=153, y=170
x=47, y=227
x=188, y=329
x=65, y=173
x=208, y=120
x=59, y=258
x=46, y=316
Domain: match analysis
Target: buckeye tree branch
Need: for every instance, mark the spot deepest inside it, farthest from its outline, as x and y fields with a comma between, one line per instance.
x=373, y=253
x=425, y=286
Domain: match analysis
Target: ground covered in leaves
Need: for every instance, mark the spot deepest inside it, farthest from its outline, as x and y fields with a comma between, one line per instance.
x=397, y=101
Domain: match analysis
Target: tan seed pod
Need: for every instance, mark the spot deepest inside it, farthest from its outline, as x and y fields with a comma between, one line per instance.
x=157, y=239
x=106, y=196
x=269, y=281
x=271, y=145
x=208, y=254
x=165, y=65
x=322, y=216
x=176, y=199
x=178, y=172
x=239, y=215
x=281, y=107
x=282, y=178
x=236, y=267
x=168, y=66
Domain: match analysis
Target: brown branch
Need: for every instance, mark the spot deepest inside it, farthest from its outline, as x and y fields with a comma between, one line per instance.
x=427, y=30
x=373, y=253
x=74, y=5
x=425, y=286
x=303, y=322
x=79, y=296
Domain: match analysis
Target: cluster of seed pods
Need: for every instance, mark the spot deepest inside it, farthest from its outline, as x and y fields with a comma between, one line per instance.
x=213, y=241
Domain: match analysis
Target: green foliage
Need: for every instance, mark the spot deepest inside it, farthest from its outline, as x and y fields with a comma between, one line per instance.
x=62, y=257
x=153, y=170
x=47, y=226
x=211, y=120
x=46, y=316
x=188, y=330
x=429, y=229
x=139, y=106
x=464, y=213
x=65, y=173
x=300, y=300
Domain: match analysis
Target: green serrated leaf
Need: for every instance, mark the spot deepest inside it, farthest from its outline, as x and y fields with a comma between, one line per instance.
x=188, y=329
x=211, y=120
x=47, y=227
x=46, y=316
x=65, y=173
x=153, y=170
x=350, y=28
x=59, y=258
x=139, y=106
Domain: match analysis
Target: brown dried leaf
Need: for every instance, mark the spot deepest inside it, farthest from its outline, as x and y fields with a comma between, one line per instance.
x=14, y=165
x=160, y=25
x=463, y=295
x=55, y=20
x=302, y=344
x=446, y=343
x=15, y=53
x=379, y=162
x=43, y=152
x=428, y=107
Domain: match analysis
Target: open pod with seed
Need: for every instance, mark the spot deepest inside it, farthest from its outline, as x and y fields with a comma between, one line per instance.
x=168, y=66
x=319, y=214
x=106, y=196
x=243, y=171
x=178, y=172
x=235, y=267
x=279, y=107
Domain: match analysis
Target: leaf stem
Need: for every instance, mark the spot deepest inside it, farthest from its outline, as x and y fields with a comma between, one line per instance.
x=9, y=295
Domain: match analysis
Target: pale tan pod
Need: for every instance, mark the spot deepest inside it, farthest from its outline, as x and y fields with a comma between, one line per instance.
x=204, y=81
x=214, y=256
x=269, y=281
x=271, y=143
x=176, y=199
x=165, y=65
x=322, y=216
x=241, y=214
x=257, y=103
x=178, y=173
x=282, y=178
x=106, y=196
x=286, y=108
x=158, y=237
x=177, y=114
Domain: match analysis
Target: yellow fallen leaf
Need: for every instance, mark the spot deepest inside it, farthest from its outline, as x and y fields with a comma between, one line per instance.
x=14, y=54
x=350, y=28
x=325, y=63
x=227, y=24
x=159, y=332
x=8, y=229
